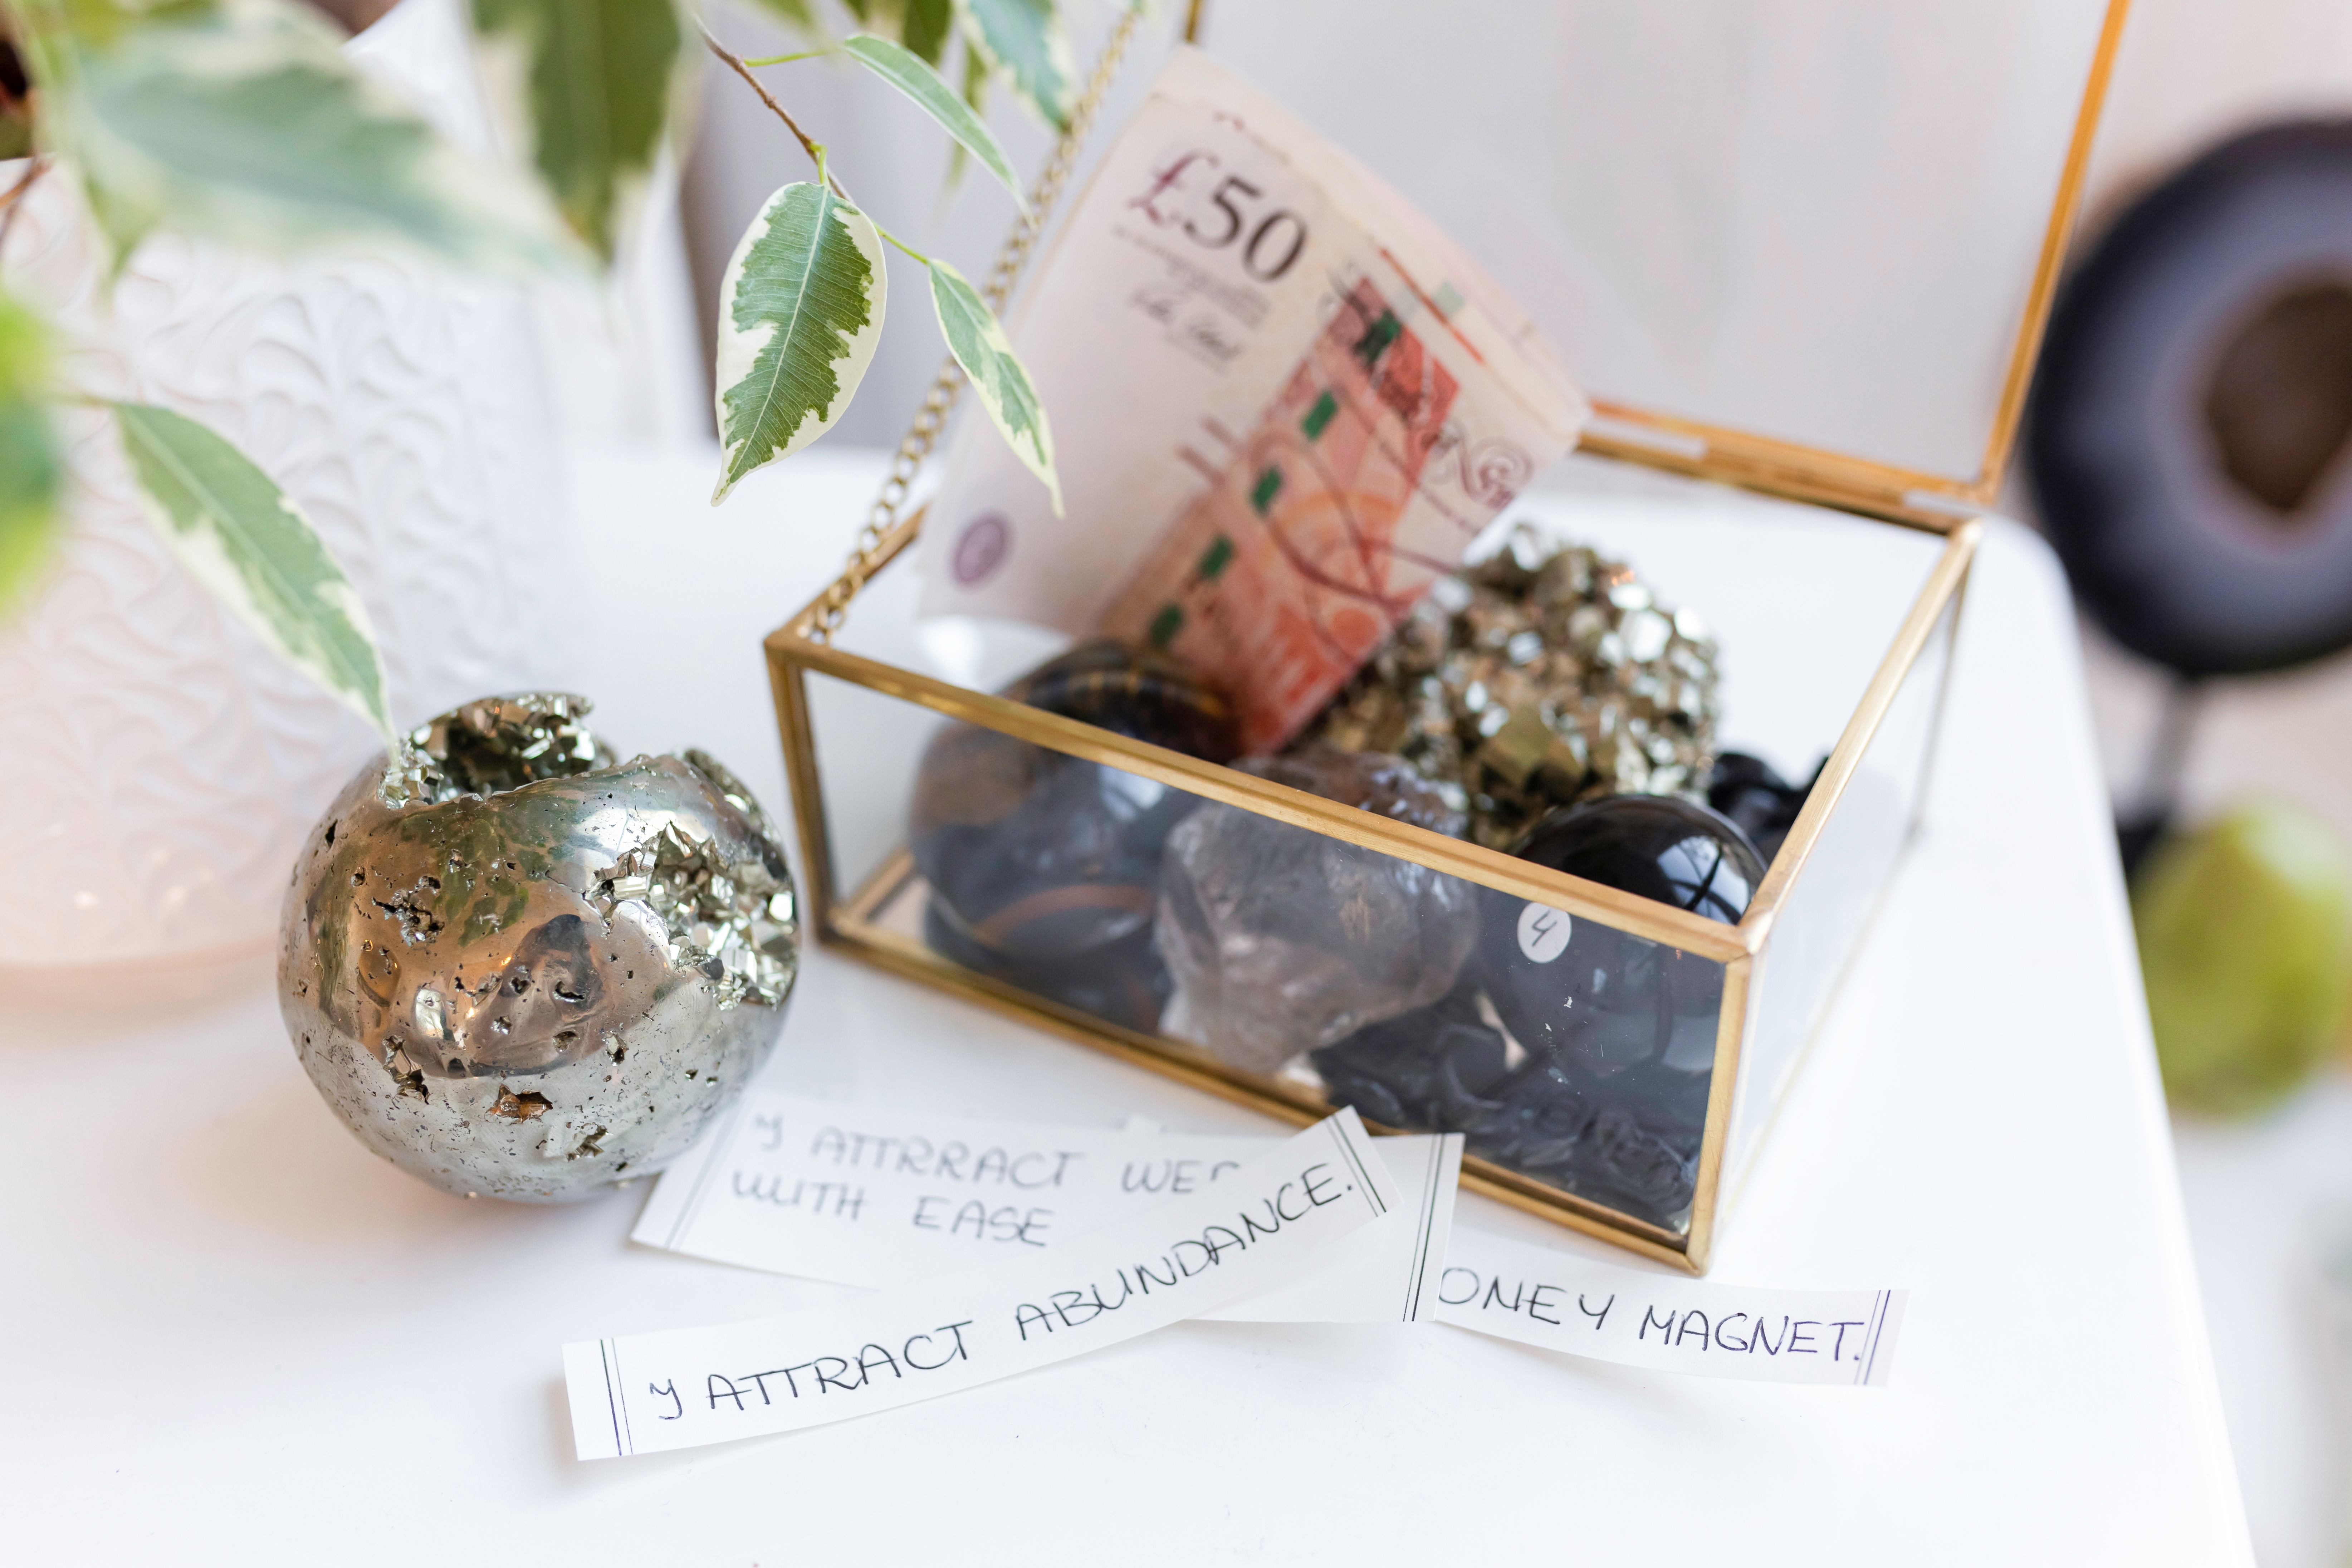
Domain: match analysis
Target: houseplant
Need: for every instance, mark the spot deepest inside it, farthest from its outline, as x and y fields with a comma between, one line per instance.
x=237, y=123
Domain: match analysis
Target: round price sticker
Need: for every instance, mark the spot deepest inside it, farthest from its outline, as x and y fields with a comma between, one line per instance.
x=1543, y=932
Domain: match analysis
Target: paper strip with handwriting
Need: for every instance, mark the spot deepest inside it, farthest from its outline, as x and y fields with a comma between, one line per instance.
x=1386, y=1272
x=863, y=1196
x=646, y=1393
x=1560, y=1303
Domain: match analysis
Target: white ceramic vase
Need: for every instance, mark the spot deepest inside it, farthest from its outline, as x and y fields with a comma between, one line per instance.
x=158, y=765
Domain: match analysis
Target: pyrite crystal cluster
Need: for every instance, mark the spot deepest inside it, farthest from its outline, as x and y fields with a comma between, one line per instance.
x=518, y=969
x=1542, y=677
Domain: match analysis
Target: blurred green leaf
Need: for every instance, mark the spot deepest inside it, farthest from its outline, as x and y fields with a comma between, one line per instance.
x=2245, y=942
x=32, y=472
x=919, y=82
x=975, y=97
x=925, y=27
x=802, y=295
x=244, y=539
x=599, y=89
x=241, y=121
x=1024, y=40
x=980, y=346
x=794, y=13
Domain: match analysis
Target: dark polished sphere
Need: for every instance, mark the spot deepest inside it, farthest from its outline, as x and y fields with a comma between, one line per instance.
x=1658, y=846
x=1039, y=859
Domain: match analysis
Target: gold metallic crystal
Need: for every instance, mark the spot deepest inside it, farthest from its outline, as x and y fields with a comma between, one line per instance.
x=1540, y=677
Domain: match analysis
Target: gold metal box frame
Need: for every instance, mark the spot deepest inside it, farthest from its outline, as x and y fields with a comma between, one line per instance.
x=1936, y=504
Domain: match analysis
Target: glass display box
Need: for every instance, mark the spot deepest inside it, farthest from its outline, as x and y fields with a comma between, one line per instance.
x=1722, y=229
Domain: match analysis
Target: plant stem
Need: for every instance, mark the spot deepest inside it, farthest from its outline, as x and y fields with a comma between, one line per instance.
x=902, y=245
x=787, y=59
x=816, y=154
x=15, y=199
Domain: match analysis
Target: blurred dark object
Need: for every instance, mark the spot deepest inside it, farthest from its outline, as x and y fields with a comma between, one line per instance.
x=1752, y=795
x=1043, y=868
x=16, y=114
x=2189, y=438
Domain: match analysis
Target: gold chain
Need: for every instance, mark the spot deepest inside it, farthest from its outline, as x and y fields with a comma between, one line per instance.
x=908, y=461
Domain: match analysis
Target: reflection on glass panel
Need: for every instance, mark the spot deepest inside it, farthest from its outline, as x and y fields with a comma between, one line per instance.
x=1575, y=1053
x=1832, y=900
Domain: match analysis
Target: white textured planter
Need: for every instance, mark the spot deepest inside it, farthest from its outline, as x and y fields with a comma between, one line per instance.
x=157, y=765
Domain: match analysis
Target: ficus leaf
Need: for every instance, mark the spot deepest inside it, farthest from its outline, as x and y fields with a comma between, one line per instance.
x=925, y=27
x=901, y=69
x=242, y=122
x=244, y=539
x=799, y=315
x=980, y=346
x=31, y=471
x=1024, y=40
x=598, y=89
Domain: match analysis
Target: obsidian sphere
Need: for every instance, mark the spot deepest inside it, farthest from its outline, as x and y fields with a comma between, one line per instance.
x=1659, y=846
x=1765, y=806
x=1603, y=999
x=1042, y=865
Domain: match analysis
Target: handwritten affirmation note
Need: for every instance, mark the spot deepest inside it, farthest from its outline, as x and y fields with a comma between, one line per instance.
x=1560, y=1303
x=1190, y=1255
x=1386, y=1272
x=861, y=1196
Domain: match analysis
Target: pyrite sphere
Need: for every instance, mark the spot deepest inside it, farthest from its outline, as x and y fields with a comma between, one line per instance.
x=518, y=970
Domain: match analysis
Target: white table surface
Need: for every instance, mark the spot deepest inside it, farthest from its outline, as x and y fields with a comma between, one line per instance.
x=233, y=1335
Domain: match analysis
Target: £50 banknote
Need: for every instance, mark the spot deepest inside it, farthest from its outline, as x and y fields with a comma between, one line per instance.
x=1285, y=403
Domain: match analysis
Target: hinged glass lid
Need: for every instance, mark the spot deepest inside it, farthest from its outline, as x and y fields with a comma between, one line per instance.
x=1804, y=244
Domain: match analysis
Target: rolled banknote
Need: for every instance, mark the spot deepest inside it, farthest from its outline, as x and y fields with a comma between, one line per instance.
x=1284, y=403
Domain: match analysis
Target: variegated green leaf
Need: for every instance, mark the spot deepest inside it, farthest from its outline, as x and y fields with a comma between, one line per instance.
x=244, y=539
x=980, y=346
x=919, y=82
x=925, y=27
x=241, y=121
x=31, y=472
x=1024, y=40
x=599, y=85
x=799, y=315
